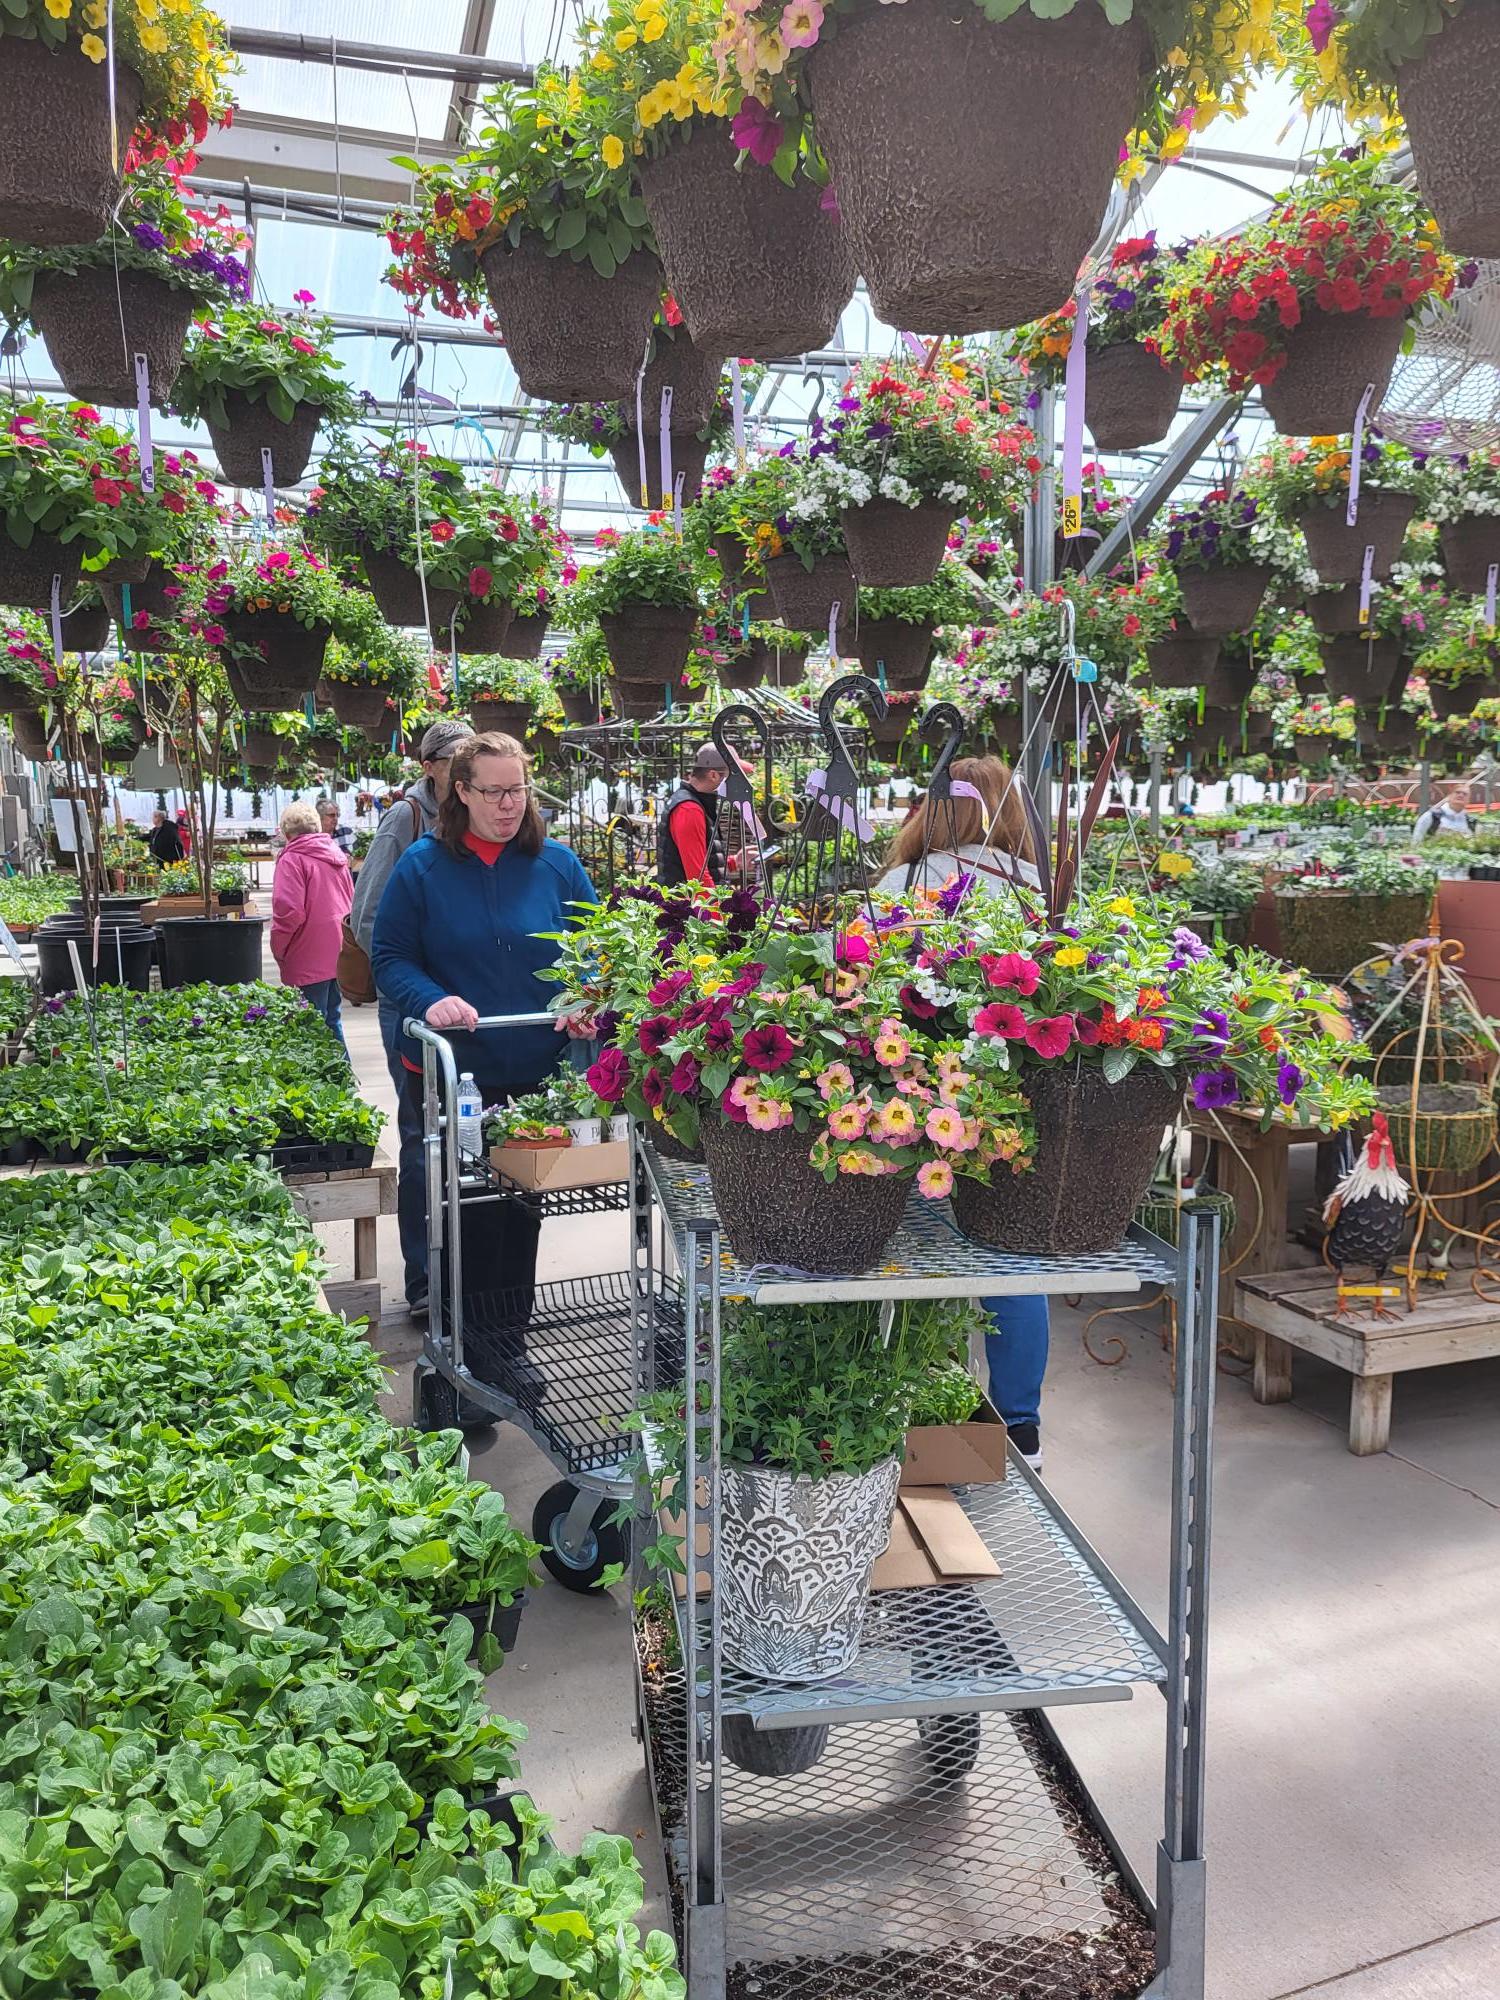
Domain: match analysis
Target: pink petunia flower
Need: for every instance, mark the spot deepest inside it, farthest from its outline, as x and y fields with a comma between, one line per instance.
x=1010, y=968
x=1050, y=1037
x=1005, y=1022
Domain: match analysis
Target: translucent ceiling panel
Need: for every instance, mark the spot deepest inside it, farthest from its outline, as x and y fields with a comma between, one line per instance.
x=305, y=91
x=528, y=31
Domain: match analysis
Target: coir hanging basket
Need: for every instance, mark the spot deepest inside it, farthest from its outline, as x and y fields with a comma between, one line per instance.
x=1330, y=930
x=397, y=590
x=1331, y=359
x=941, y=130
x=897, y=647
x=79, y=315
x=1130, y=397
x=1450, y=698
x=504, y=718
x=1096, y=1149
x=359, y=707
x=1360, y=670
x=1451, y=109
x=1335, y=613
x=26, y=574
x=1224, y=598
x=1226, y=685
x=741, y=582
x=649, y=642
x=637, y=701
x=478, y=627
x=776, y=1209
x=1181, y=660
x=148, y=598
x=572, y=336
x=892, y=547
x=1470, y=546
x=274, y=652
x=1337, y=551
x=689, y=456
x=805, y=598
x=523, y=640
x=60, y=174
x=767, y=665
x=759, y=269
x=249, y=428
x=1453, y=1130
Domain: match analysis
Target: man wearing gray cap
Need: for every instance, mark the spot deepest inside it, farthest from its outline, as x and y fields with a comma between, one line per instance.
x=405, y=822
x=687, y=832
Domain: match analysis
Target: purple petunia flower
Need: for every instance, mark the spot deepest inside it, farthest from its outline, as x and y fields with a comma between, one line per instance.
x=1288, y=1081
x=1213, y=1088
x=256, y=1013
x=1189, y=943
x=948, y=899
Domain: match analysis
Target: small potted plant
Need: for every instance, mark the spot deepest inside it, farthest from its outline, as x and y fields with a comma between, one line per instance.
x=645, y=597
x=231, y=881
x=1308, y=485
x=1347, y=898
x=263, y=381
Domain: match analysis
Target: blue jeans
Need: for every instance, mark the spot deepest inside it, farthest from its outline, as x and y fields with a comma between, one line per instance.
x=411, y=1184
x=323, y=996
x=1016, y=1350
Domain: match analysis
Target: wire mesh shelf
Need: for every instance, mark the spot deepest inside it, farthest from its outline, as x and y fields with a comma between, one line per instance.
x=603, y=1198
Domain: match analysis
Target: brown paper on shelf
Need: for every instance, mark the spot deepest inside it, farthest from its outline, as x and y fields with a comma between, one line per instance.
x=933, y=1541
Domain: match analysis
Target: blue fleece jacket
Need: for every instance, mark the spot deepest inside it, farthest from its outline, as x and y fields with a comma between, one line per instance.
x=469, y=927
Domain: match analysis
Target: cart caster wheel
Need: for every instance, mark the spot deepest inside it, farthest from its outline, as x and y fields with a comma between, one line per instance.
x=950, y=1744
x=604, y=1542
x=439, y=1406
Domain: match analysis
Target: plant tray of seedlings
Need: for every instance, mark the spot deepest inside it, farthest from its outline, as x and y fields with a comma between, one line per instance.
x=296, y=1156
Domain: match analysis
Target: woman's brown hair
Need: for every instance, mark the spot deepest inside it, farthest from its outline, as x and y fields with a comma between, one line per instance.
x=453, y=814
x=939, y=828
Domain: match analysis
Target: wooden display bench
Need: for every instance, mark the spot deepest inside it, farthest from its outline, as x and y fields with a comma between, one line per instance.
x=192, y=906
x=1297, y=1309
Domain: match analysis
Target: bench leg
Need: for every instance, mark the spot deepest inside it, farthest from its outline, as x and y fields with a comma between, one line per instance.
x=1370, y=1413
x=1273, y=1369
x=366, y=1246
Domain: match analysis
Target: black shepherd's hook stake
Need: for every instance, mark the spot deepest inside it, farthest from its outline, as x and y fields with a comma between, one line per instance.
x=839, y=796
x=737, y=788
x=940, y=784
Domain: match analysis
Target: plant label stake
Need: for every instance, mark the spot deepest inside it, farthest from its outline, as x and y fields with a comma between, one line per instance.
x=1492, y=577
x=737, y=414
x=1356, y=445
x=268, y=477
x=56, y=609
x=666, y=443
x=1366, y=583
x=914, y=346
x=677, y=485
x=833, y=633
x=640, y=421
x=143, y=423
x=1074, y=390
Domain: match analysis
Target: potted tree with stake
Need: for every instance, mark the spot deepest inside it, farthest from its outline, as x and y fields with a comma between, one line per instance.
x=263, y=381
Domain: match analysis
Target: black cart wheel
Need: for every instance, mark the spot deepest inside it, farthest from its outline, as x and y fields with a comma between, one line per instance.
x=605, y=1541
x=950, y=1744
x=441, y=1408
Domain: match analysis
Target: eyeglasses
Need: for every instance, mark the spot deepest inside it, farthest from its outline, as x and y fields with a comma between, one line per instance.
x=500, y=795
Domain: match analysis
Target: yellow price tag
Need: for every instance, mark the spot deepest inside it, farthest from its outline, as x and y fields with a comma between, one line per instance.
x=1369, y=1291
x=1072, y=516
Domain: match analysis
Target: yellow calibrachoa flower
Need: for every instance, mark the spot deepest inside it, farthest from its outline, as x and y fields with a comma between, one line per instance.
x=603, y=63
x=626, y=39
x=93, y=48
x=59, y=9
x=1121, y=906
x=1071, y=954
x=612, y=151
x=654, y=29
x=154, y=38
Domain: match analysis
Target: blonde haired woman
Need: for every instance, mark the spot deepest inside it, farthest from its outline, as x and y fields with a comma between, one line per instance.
x=311, y=892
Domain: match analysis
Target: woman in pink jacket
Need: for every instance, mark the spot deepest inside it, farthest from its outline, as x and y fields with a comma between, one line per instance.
x=311, y=892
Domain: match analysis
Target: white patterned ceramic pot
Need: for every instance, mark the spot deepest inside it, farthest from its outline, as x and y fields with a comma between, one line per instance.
x=794, y=1567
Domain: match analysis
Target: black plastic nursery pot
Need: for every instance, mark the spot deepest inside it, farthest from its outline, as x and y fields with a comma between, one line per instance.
x=114, y=911
x=504, y=718
x=215, y=951
x=60, y=174
x=776, y=1209
x=1181, y=659
x=1331, y=358
x=759, y=269
x=572, y=336
x=125, y=948
x=1096, y=1149
x=397, y=590
x=501, y=1621
x=772, y=1753
x=689, y=457
x=1471, y=546
x=649, y=642
x=249, y=428
x=1130, y=397
x=1337, y=551
x=1451, y=111
x=358, y=707
x=892, y=547
x=1223, y=598
x=948, y=183
x=26, y=574
x=475, y=626
x=1360, y=669
x=805, y=598
x=79, y=315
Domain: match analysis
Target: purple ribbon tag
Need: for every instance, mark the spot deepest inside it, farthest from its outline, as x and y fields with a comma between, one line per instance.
x=1356, y=446
x=1366, y=583
x=914, y=347
x=1074, y=390
x=843, y=812
x=737, y=414
x=268, y=476
x=833, y=631
x=1492, y=578
x=666, y=443
x=56, y=607
x=143, y=423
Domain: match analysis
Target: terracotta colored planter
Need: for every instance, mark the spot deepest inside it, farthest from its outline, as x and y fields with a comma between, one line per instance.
x=1337, y=551
x=1331, y=357
x=892, y=547
x=689, y=457
x=805, y=598
x=60, y=174
x=1224, y=599
x=1182, y=659
x=250, y=428
x=759, y=269
x=572, y=336
x=948, y=182
x=1130, y=398
x=1470, y=547
x=1451, y=110
x=649, y=643
x=78, y=314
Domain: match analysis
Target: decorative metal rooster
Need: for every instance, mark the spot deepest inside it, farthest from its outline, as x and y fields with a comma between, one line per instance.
x=1366, y=1216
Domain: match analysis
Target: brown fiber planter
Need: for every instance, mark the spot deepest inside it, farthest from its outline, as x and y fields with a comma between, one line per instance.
x=1314, y=750
x=1469, y=548
x=766, y=665
x=1130, y=398
x=732, y=559
x=358, y=707
x=692, y=370
x=572, y=336
x=941, y=132
x=1227, y=683
x=776, y=1209
x=59, y=177
x=1003, y=728
x=262, y=746
x=149, y=595
x=892, y=547
x=26, y=574
x=902, y=649
x=1450, y=698
x=1337, y=551
x=1360, y=670
x=250, y=428
x=1182, y=659
x=1451, y=109
x=1096, y=1147
x=637, y=701
x=397, y=590
x=86, y=630
x=1387, y=729
x=758, y=268
x=1331, y=930
x=478, y=628
x=283, y=657
x=689, y=456
x=1224, y=599
x=78, y=315
x=524, y=639
x=649, y=642
x=1335, y=613
x=804, y=598
x=1257, y=731
x=16, y=694
x=1331, y=358
x=30, y=732
x=579, y=705
x=505, y=718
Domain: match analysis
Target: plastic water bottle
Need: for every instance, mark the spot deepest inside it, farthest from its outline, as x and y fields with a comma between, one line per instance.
x=470, y=1118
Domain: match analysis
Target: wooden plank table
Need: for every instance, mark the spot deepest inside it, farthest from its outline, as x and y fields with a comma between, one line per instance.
x=1296, y=1309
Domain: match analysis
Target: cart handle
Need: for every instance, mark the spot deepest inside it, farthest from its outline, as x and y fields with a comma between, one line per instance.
x=420, y=1032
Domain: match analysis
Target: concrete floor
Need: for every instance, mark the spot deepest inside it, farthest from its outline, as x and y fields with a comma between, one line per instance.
x=1354, y=1697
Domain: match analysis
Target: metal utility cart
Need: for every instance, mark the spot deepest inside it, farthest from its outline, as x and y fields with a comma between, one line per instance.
x=556, y=1360
x=936, y=1842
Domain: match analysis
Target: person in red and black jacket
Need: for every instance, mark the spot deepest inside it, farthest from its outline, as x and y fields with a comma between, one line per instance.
x=687, y=833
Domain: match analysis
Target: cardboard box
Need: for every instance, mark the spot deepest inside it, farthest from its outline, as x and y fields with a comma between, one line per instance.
x=539, y=1168
x=971, y=1454
x=933, y=1541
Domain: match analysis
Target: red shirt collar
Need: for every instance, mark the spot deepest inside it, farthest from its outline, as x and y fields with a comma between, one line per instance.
x=489, y=851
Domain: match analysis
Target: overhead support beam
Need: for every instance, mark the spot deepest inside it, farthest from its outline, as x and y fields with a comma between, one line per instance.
x=1182, y=453
x=332, y=50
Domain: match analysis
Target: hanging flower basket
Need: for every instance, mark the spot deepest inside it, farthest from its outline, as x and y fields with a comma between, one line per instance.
x=252, y=427
x=1451, y=112
x=26, y=574
x=86, y=630
x=79, y=316
x=794, y=1566
x=1223, y=599
x=891, y=729
x=1337, y=551
x=15, y=695
x=805, y=598
x=1450, y=698
x=891, y=546
x=692, y=370
x=649, y=642
x=358, y=707
x=261, y=746
x=637, y=701
x=759, y=269
x=325, y=752
x=378, y=734
x=1335, y=613
x=30, y=732
x=941, y=134
x=1227, y=683
x=1360, y=669
x=506, y=718
x=580, y=705
x=523, y=641
x=281, y=654
x=1452, y=1132
x=689, y=457
x=147, y=597
x=1330, y=930
x=1388, y=728
x=1130, y=397
x=1096, y=1150
x=1313, y=749
x=732, y=558
x=1469, y=548
x=397, y=590
x=903, y=649
x=1182, y=659
x=60, y=176
x=765, y=665
x=776, y=1209
x=1003, y=726
x=479, y=627
x=1257, y=730
x=572, y=336
x=1331, y=359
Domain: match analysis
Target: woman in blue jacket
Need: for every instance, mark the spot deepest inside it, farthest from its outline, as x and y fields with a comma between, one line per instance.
x=456, y=938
